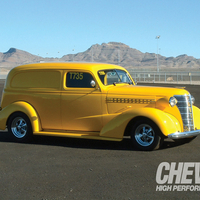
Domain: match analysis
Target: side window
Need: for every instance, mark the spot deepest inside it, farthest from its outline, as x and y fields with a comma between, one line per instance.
x=79, y=80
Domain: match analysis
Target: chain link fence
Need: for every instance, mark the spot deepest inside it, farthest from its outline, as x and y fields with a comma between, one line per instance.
x=192, y=78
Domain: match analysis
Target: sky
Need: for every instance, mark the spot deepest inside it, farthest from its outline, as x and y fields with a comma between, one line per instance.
x=53, y=28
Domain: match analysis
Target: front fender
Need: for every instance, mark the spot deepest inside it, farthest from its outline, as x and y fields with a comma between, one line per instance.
x=196, y=117
x=116, y=127
x=19, y=106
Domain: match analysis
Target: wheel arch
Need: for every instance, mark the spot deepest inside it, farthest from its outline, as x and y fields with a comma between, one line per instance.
x=129, y=126
x=19, y=127
x=21, y=107
x=120, y=125
x=14, y=113
x=166, y=122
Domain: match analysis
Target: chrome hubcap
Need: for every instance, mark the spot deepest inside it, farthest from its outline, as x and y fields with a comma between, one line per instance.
x=144, y=135
x=19, y=127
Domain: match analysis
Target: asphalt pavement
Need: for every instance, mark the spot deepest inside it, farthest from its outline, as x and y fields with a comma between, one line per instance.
x=53, y=168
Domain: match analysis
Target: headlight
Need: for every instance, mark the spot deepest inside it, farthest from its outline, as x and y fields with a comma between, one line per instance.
x=173, y=101
x=193, y=99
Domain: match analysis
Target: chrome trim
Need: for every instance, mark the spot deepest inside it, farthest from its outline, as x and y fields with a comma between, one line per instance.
x=19, y=127
x=179, y=135
x=184, y=105
x=144, y=135
x=126, y=100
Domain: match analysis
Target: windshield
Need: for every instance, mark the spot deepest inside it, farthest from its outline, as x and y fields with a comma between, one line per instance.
x=114, y=76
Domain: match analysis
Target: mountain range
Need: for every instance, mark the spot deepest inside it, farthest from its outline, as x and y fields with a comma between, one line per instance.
x=112, y=52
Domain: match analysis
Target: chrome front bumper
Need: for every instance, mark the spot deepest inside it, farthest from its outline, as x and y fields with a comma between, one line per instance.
x=180, y=135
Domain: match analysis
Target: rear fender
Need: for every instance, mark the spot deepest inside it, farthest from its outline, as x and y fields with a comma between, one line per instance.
x=23, y=107
x=166, y=122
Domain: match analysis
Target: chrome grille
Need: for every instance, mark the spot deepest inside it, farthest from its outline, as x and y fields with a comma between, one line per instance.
x=185, y=107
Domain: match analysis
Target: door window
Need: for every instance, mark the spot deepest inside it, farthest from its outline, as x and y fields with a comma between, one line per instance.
x=79, y=80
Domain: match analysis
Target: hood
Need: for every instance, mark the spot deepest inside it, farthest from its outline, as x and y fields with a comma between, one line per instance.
x=146, y=90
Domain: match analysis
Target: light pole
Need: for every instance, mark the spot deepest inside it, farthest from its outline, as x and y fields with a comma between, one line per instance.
x=73, y=54
x=157, y=37
x=119, y=55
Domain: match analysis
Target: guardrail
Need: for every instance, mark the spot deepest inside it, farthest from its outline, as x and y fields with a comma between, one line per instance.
x=166, y=77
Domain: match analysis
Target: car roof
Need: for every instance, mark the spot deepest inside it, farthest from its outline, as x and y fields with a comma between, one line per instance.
x=67, y=65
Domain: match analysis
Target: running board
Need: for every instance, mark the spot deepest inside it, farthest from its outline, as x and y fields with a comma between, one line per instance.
x=72, y=134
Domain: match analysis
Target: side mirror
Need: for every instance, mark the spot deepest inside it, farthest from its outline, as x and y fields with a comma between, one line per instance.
x=93, y=83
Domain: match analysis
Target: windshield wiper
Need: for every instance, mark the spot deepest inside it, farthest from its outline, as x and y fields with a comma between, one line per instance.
x=114, y=83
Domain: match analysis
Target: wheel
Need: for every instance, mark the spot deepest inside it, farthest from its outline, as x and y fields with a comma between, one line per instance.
x=19, y=127
x=146, y=136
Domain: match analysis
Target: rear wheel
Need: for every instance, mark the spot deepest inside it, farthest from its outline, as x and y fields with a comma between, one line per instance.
x=19, y=127
x=146, y=136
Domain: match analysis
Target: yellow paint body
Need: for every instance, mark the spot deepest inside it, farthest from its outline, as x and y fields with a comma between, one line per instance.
x=101, y=112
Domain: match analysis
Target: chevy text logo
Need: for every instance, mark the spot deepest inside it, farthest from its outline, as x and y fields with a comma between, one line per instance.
x=182, y=176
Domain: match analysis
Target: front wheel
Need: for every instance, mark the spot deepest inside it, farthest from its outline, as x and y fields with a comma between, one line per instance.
x=19, y=127
x=146, y=136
